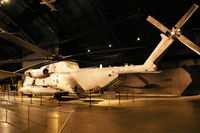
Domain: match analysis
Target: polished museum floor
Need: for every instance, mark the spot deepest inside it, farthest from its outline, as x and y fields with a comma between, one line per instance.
x=152, y=115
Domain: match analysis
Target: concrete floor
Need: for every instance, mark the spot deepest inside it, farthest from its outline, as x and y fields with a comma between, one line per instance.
x=152, y=115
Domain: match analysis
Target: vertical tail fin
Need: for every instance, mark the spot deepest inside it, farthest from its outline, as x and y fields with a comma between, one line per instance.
x=158, y=51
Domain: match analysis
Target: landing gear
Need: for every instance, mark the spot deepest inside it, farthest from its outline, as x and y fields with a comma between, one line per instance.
x=30, y=95
x=58, y=95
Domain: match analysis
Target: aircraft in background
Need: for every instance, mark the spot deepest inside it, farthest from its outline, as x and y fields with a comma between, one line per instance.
x=49, y=4
x=66, y=77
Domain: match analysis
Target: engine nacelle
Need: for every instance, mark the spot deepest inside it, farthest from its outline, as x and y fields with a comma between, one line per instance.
x=37, y=73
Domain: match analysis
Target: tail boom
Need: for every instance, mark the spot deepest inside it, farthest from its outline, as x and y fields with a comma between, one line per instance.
x=158, y=52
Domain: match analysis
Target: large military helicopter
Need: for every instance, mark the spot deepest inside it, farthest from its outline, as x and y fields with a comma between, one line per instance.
x=60, y=77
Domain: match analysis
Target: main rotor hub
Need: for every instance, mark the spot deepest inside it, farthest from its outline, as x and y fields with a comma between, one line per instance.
x=175, y=32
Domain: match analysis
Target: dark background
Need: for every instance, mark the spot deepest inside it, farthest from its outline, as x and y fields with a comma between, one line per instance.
x=79, y=25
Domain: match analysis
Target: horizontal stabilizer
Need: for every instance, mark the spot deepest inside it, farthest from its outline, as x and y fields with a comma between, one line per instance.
x=151, y=72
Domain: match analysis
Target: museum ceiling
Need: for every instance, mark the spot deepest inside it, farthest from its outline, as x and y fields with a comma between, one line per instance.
x=117, y=30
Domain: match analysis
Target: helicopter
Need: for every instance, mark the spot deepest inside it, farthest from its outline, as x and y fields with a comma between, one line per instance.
x=63, y=77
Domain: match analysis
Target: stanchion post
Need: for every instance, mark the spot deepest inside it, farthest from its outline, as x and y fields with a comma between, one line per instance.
x=6, y=110
x=28, y=115
x=31, y=98
x=46, y=116
x=22, y=97
x=14, y=95
x=41, y=99
x=119, y=98
x=109, y=101
x=8, y=95
x=59, y=101
x=90, y=99
x=127, y=94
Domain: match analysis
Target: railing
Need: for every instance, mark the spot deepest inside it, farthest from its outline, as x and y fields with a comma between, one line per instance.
x=30, y=116
x=37, y=111
x=39, y=100
x=107, y=95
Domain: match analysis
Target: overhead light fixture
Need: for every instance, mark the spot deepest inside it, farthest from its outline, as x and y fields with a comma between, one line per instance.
x=1, y=30
x=138, y=39
x=110, y=45
x=2, y=2
x=88, y=51
x=100, y=66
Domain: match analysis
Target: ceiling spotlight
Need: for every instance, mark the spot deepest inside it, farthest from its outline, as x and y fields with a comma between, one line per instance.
x=1, y=30
x=4, y=2
x=138, y=39
x=100, y=66
x=88, y=51
x=109, y=45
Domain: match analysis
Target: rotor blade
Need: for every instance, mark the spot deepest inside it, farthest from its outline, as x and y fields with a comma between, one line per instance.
x=187, y=15
x=17, y=40
x=104, y=51
x=7, y=74
x=189, y=44
x=9, y=61
x=36, y=65
x=157, y=24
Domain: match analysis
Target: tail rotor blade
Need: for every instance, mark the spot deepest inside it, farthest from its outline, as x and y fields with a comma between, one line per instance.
x=157, y=24
x=189, y=44
x=187, y=15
